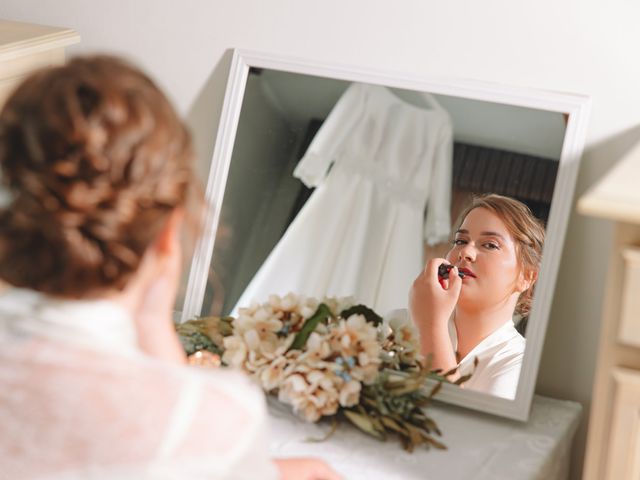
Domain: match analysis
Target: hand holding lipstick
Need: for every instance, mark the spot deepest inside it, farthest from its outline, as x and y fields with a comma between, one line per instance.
x=433, y=296
x=431, y=302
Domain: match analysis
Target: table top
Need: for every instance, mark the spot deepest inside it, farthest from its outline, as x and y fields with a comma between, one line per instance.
x=480, y=446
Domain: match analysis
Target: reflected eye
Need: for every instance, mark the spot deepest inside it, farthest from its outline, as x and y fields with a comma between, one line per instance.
x=459, y=241
x=492, y=246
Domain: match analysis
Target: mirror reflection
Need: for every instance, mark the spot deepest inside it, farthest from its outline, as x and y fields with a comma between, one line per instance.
x=338, y=188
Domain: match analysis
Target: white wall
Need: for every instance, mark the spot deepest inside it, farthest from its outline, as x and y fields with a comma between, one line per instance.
x=582, y=46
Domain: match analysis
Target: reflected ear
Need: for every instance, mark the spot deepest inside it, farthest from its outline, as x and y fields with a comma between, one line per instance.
x=526, y=280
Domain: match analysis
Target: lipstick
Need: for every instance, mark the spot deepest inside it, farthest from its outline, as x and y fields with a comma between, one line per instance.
x=443, y=271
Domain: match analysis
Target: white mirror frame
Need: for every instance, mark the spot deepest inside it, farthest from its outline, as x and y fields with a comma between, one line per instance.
x=577, y=108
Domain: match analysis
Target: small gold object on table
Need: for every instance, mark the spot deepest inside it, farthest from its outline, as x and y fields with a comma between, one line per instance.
x=204, y=358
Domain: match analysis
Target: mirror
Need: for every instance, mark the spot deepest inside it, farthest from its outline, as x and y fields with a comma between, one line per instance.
x=330, y=182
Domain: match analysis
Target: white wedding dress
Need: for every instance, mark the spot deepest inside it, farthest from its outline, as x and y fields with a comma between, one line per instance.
x=377, y=161
x=80, y=401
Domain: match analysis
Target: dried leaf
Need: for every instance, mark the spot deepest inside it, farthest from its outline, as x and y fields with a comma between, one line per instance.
x=377, y=424
x=462, y=379
x=415, y=435
x=450, y=372
x=366, y=312
x=393, y=425
x=329, y=434
x=436, y=388
x=435, y=443
x=363, y=422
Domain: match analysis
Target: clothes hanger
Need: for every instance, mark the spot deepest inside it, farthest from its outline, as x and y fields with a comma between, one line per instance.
x=431, y=100
x=425, y=97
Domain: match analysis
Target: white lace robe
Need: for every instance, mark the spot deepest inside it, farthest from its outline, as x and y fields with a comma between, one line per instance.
x=80, y=401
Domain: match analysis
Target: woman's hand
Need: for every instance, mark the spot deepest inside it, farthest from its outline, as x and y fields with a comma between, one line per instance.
x=431, y=303
x=432, y=300
x=305, y=469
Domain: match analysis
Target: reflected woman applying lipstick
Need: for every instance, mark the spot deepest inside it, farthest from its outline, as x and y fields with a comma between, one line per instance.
x=497, y=251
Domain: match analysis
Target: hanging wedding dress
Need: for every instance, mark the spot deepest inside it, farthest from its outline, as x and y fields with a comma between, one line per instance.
x=79, y=400
x=376, y=162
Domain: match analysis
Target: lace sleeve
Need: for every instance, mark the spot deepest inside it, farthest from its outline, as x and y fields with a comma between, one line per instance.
x=219, y=414
x=75, y=413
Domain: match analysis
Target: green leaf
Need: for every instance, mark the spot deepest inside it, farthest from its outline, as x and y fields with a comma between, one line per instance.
x=366, y=312
x=320, y=315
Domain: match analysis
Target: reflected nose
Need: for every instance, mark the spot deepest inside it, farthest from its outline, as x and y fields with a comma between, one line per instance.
x=467, y=253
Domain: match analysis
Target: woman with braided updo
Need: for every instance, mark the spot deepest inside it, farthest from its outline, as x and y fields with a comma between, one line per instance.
x=97, y=174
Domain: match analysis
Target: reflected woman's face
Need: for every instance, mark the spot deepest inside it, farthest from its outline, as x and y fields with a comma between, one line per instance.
x=485, y=250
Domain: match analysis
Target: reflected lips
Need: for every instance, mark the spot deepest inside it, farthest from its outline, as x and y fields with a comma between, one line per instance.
x=467, y=272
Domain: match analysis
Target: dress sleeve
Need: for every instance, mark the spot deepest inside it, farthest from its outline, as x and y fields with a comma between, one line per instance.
x=438, y=220
x=315, y=163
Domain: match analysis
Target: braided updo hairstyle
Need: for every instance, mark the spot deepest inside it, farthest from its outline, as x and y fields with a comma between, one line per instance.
x=94, y=159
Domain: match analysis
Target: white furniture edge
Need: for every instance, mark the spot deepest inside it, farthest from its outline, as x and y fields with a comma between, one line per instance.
x=577, y=108
x=38, y=44
x=616, y=196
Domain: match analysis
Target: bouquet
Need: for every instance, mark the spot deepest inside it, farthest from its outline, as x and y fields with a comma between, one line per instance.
x=328, y=359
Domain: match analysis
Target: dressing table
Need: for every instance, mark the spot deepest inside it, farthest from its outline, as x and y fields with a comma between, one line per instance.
x=480, y=446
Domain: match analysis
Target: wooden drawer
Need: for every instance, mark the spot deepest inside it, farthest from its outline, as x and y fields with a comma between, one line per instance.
x=623, y=458
x=629, y=328
x=12, y=72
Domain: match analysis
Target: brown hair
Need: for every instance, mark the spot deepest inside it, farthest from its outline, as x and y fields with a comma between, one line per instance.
x=527, y=232
x=94, y=159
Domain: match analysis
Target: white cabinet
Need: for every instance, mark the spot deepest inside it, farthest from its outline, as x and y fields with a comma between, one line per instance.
x=25, y=47
x=613, y=445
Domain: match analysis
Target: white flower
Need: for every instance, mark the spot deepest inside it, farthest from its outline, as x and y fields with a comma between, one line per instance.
x=272, y=375
x=289, y=302
x=235, y=351
x=355, y=340
x=403, y=340
x=318, y=346
x=350, y=393
x=338, y=356
x=311, y=395
x=338, y=304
